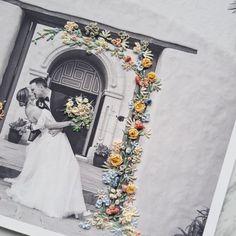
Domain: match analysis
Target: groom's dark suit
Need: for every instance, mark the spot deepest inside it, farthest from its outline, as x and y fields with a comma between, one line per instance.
x=40, y=103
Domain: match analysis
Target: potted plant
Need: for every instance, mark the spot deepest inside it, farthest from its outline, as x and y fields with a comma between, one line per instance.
x=17, y=129
x=101, y=154
x=196, y=227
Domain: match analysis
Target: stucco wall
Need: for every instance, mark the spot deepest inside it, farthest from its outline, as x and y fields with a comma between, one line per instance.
x=193, y=116
x=10, y=19
x=191, y=123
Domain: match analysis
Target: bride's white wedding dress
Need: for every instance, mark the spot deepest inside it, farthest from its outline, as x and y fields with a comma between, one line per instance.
x=50, y=178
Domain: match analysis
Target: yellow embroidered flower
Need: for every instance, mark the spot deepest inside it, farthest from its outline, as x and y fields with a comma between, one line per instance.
x=128, y=214
x=66, y=38
x=152, y=76
x=146, y=62
x=133, y=133
x=115, y=159
x=139, y=106
x=131, y=188
x=70, y=26
x=102, y=42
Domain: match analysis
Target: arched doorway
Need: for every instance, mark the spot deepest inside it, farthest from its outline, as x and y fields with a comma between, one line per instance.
x=75, y=73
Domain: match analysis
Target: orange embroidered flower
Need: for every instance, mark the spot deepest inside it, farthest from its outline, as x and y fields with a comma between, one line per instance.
x=116, y=42
x=144, y=82
x=139, y=106
x=152, y=76
x=146, y=62
x=115, y=159
x=131, y=188
x=133, y=133
x=112, y=210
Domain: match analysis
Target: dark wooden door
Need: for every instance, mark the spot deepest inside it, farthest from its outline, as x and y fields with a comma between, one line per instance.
x=68, y=79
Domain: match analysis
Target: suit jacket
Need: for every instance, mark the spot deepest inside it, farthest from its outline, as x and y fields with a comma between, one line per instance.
x=42, y=104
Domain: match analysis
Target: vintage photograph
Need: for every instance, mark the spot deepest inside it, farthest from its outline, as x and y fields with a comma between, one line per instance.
x=116, y=118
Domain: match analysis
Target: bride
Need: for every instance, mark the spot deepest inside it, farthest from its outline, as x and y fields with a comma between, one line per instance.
x=50, y=178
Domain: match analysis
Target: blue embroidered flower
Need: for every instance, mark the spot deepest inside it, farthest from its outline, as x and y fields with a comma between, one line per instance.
x=146, y=117
x=85, y=225
x=139, y=66
x=131, y=105
x=106, y=200
x=134, y=144
x=115, y=182
x=128, y=150
x=148, y=102
x=140, y=56
x=99, y=203
x=109, y=176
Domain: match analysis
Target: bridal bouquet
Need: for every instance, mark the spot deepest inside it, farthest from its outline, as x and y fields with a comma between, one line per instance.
x=2, y=109
x=80, y=110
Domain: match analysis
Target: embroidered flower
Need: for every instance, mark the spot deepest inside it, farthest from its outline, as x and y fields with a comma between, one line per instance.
x=112, y=210
x=138, y=150
x=137, y=48
x=144, y=82
x=148, y=102
x=152, y=76
x=102, y=42
x=146, y=62
x=128, y=150
x=146, y=117
x=139, y=106
x=130, y=188
x=117, y=145
x=128, y=214
x=115, y=159
x=139, y=66
x=85, y=225
x=133, y=133
x=116, y=42
x=70, y=26
x=139, y=125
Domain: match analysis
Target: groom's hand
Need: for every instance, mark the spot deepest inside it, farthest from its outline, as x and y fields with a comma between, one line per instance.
x=54, y=132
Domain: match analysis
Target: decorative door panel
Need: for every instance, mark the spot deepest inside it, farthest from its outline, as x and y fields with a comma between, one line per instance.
x=71, y=78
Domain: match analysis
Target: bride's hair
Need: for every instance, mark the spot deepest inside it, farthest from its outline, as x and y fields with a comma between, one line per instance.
x=22, y=96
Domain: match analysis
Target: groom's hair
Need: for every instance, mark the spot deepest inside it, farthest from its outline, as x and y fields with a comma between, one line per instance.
x=39, y=81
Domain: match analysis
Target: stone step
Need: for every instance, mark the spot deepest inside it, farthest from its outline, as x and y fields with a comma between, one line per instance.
x=12, y=159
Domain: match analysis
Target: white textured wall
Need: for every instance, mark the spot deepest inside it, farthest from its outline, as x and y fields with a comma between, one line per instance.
x=193, y=116
x=10, y=18
x=192, y=121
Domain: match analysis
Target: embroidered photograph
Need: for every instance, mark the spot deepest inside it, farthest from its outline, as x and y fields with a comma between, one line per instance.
x=70, y=139
x=115, y=118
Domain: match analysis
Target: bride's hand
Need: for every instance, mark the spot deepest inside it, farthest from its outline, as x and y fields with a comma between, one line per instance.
x=71, y=123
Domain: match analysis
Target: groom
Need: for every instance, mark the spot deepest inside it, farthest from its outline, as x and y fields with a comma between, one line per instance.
x=42, y=93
